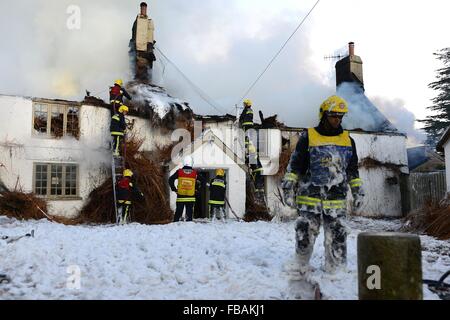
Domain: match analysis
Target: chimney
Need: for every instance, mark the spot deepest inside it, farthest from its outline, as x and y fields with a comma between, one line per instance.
x=351, y=49
x=349, y=69
x=143, y=9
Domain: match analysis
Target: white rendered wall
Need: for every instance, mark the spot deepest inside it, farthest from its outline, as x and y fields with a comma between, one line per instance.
x=210, y=156
x=447, y=164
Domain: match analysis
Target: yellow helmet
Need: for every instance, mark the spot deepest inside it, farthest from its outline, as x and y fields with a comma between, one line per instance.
x=123, y=108
x=220, y=172
x=333, y=104
x=248, y=102
x=119, y=82
x=127, y=173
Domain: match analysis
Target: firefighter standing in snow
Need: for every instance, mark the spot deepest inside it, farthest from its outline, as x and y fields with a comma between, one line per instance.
x=187, y=182
x=217, y=188
x=117, y=129
x=126, y=189
x=116, y=93
x=323, y=164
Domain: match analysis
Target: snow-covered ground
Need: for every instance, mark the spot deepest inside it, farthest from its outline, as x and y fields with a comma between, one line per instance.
x=233, y=260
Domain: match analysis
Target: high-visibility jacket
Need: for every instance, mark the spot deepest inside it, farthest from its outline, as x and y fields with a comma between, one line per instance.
x=126, y=190
x=246, y=118
x=217, y=188
x=187, y=182
x=118, y=124
x=327, y=162
x=116, y=94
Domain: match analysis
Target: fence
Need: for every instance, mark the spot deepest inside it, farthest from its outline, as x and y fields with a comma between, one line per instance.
x=425, y=186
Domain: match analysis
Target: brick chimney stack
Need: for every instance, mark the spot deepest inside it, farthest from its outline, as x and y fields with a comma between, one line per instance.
x=351, y=49
x=349, y=69
x=143, y=9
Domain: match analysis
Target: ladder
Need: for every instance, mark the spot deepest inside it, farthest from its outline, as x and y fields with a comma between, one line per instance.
x=117, y=166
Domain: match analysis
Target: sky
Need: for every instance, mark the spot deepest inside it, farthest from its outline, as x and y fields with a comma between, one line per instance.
x=223, y=45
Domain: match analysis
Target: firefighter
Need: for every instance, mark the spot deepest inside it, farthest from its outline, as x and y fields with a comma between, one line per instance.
x=217, y=188
x=126, y=191
x=323, y=163
x=116, y=93
x=117, y=128
x=256, y=169
x=246, y=117
x=188, y=180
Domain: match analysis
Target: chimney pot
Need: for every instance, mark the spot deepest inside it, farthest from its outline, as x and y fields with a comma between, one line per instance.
x=351, y=49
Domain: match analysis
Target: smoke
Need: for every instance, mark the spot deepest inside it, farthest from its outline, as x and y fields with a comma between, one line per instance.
x=402, y=118
x=222, y=46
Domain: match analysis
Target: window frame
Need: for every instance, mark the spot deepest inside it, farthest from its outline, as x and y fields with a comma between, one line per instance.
x=62, y=183
x=54, y=107
x=264, y=153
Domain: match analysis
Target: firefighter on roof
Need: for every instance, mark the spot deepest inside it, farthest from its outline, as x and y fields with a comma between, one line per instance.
x=321, y=167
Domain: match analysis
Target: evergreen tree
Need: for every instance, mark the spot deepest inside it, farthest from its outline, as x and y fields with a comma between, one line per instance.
x=436, y=124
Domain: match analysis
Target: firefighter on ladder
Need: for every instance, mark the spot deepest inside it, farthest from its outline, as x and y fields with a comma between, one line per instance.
x=126, y=190
x=116, y=94
x=117, y=129
x=217, y=188
x=188, y=179
x=255, y=170
x=321, y=167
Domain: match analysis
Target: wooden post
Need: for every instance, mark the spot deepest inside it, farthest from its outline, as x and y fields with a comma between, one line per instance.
x=389, y=266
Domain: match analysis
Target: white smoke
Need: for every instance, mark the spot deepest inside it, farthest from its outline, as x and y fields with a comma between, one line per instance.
x=403, y=119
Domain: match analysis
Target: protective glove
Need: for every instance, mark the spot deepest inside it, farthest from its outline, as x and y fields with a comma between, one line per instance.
x=289, y=181
x=358, y=197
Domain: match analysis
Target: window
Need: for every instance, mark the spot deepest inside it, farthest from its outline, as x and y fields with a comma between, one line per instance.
x=263, y=143
x=55, y=120
x=56, y=180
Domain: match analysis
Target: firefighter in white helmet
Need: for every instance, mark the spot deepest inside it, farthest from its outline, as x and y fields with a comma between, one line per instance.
x=321, y=167
x=188, y=183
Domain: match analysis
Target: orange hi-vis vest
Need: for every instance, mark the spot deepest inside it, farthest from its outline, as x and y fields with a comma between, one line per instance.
x=186, y=182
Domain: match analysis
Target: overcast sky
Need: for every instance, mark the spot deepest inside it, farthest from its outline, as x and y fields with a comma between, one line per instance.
x=223, y=45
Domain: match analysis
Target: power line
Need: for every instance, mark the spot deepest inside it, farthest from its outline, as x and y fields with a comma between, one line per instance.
x=278, y=53
x=199, y=91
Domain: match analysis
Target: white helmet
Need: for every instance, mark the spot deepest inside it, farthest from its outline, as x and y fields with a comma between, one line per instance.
x=188, y=161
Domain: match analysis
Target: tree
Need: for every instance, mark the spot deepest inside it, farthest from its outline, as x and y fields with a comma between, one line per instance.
x=436, y=124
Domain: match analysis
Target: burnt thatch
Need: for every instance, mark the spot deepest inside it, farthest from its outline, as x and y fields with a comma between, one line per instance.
x=150, y=177
x=283, y=162
x=254, y=210
x=372, y=163
x=20, y=205
x=433, y=219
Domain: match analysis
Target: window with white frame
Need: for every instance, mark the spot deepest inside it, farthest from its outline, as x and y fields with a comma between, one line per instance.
x=263, y=143
x=56, y=179
x=55, y=120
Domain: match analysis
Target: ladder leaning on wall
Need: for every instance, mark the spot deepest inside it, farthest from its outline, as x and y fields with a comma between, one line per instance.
x=117, y=166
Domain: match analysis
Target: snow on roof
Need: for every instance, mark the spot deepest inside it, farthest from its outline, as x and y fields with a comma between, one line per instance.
x=155, y=98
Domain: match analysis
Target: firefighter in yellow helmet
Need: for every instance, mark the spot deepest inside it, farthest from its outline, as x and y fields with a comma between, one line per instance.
x=217, y=189
x=321, y=167
x=188, y=182
x=117, y=129
x=246, y=117
x=116, y=94
x=126, y=190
